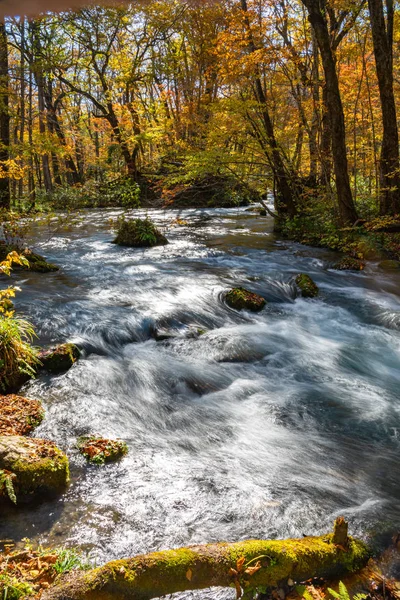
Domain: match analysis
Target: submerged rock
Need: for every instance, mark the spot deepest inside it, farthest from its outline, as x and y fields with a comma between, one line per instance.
x=99, y=450
x=36, y=262
x=18, y=415
x=242, y=299
x=30, y=468
x=349, y=264
x=307, y=286
x=139, y=233
x=59, y=359
x=389, y=265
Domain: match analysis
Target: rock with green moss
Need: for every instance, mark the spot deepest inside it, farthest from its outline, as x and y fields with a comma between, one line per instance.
x=35, y=467
x=242, y=299
x=139, y=233
x=349, y=264
x=59, y=359
x=389, y=265
x=307, y=286
x=99, y=451
x=36, y=262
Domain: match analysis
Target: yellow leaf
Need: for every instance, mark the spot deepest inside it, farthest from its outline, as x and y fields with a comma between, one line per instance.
x=189, y=575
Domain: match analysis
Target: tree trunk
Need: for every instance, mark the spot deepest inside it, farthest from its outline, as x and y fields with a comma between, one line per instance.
x=244, y=565
x=286, y=194
x=382, y=37
x=22, y=105
x=4, y=117
x=347, y=211
x=40, y=82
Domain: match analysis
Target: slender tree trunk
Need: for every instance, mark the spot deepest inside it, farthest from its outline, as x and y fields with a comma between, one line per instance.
x=382, y=37
x=22, y=105
x=31, y=177
x=347, y=210
x=40, y=82
x=4, y=117
x=285, y=200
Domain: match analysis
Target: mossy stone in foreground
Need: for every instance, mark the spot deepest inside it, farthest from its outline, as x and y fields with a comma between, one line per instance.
x=19, y=415
x=242, y=299
x=307, y=286
x=349, y=264
x=139, y=233
x=40, y=468
x=99, y=450
x=59, y=359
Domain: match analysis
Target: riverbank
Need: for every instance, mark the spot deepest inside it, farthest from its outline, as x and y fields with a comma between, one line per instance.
x=376, y=239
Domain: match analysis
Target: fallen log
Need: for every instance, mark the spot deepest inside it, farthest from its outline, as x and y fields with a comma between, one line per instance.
x=245, y=565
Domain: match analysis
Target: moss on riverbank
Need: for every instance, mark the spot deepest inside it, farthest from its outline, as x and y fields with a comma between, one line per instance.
x=377, y=239
x=36, y=262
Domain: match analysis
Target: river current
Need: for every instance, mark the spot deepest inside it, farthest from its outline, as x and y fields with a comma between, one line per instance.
x=266, y=425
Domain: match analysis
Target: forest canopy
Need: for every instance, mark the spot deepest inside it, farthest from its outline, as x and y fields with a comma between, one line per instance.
x=295, y=98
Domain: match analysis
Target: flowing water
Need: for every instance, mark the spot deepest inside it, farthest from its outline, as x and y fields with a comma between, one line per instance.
x=265, y=425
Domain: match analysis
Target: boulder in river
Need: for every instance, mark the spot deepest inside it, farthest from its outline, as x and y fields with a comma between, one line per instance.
x=59, y=359
x=30, y=468
x=18, y=415
x=307, y=286
x=36, y=262
x=99, y=451
x=349, y=264
x=242, y=299
x=139, y=233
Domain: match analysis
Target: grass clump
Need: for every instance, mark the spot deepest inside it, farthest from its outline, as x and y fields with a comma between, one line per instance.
x=18, y=357
x=29, y=572
x=99, y=450
x=139, y=233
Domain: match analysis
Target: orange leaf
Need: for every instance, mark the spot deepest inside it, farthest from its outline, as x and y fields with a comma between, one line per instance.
x=240, y=564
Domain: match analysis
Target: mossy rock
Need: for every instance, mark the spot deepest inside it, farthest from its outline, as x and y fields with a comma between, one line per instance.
x=242, y=299
x=99, y=451
x=36, y=262
x=349, y=264
x=389, y=265
x=307, y=286
x=18, y=415
x=37, y=466
x=139, y=233
x=59, y=359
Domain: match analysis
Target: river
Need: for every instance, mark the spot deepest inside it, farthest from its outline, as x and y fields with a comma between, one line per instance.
x=266, y=425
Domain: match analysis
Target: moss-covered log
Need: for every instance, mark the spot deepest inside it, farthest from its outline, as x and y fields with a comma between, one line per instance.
x=248, y=564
